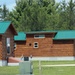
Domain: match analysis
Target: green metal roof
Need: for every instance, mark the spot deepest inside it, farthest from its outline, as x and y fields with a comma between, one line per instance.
x=67, y=34
x=3, y=26
x=60, y=35
x=36, y=32
x=20, y=37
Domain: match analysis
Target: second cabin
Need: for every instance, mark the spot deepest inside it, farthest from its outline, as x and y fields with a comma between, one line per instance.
x=46, y=45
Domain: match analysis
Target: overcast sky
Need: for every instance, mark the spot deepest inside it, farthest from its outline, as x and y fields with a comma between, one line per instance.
x=11, y=3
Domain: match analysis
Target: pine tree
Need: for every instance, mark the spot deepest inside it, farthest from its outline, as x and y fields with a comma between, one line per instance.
x=3, y=13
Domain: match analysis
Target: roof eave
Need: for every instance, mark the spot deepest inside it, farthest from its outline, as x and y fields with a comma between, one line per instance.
x=1, y=33
x=19, y=40
x=15, y=32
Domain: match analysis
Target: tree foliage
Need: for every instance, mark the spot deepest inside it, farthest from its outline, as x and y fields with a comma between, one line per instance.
x=38, y=15
x=4, y=12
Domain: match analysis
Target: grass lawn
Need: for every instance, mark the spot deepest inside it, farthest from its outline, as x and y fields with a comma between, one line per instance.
x=8, y=70
x=45, y=71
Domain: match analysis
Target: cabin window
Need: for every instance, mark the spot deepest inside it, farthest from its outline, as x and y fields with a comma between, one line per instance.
x=8, y=45
x=39, y=36
x=14, y=46
x=35, y=44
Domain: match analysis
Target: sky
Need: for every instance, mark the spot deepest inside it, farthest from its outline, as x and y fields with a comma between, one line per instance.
x=11, y=3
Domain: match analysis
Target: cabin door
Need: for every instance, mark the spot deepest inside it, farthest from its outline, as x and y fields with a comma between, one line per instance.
x=8, y=46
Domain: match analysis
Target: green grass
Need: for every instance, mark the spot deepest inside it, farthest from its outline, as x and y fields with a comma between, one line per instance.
x=45, y=71
x=8, y=70
x=54, y=70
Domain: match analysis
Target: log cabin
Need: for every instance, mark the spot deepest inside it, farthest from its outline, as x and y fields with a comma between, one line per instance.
x=46, y=45
x=7, y=33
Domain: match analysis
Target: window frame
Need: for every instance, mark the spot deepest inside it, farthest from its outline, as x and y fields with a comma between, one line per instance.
x=39, y=36
x=8, y=45
x=36, y=45
x=15, y=46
